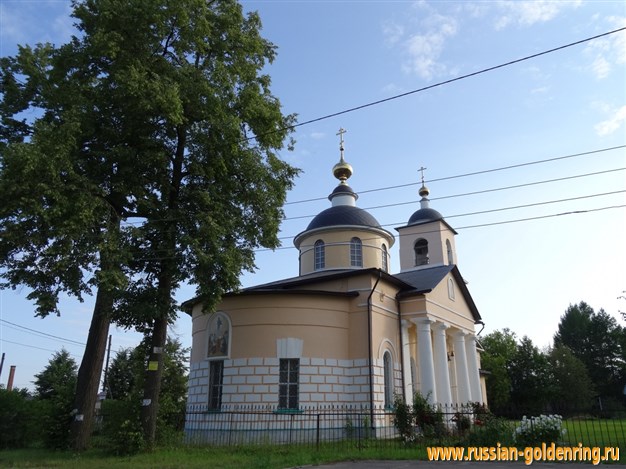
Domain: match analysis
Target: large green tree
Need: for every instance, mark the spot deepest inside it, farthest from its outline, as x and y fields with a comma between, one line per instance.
x=158, y=123
x=531, y=379
x=499, y=348
x=55, y=385
x=573, y=389
x=598, y=341
x=125, y=381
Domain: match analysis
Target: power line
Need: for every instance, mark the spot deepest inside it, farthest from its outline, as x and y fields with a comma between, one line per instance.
x=485, y=171
x=401, y=223
x=501, y=209
x=535, y=204
x=474, y=226
x=485, y=191
x=575, y=212
x=33, y=331
x=445, y=178
x=441, y=83
x=31, y=346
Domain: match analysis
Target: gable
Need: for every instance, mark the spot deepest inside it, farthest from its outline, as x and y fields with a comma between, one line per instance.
x=434, y=282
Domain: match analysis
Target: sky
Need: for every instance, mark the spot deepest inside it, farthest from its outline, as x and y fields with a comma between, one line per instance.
x=551, y=235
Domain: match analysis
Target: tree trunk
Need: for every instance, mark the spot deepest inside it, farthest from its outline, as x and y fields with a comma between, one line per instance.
x=166, y=281
x=152, y=383
x=90, y=370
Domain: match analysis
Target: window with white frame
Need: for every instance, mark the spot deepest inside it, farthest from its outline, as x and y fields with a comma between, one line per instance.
x=356, y=252
x=288, y=386
x=216, y=382
x=320, y=255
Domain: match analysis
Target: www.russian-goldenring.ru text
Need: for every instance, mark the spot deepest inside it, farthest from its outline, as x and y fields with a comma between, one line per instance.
x=530, y=454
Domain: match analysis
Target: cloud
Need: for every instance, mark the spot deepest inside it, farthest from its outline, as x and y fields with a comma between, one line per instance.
x=601, y=67
x=425, y=49
x=20, y=23
x=421, y=36
x=529, y=12
x=540, y=90
x=392, y=32
x=392, y=89
x=612, y=124
x=607, y=50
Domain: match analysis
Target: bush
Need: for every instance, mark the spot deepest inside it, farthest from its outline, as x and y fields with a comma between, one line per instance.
x=403, y=419
x=20, y=420
x=121, y=427
x=420, y=420
x=489, y=430
x=536, y=430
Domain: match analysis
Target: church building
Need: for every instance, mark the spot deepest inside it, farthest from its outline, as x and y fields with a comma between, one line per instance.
x=345, y=331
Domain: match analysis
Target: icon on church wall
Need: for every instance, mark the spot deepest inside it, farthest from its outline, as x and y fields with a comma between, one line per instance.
x=218, y=337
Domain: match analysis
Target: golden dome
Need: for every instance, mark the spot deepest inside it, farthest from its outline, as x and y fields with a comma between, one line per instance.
x=342, y=170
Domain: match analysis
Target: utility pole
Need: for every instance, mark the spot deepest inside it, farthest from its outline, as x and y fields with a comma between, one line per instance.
x=106, y=367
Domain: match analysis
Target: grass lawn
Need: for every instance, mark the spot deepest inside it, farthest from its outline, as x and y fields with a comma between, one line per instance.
x=595, y=432
x=219, y=458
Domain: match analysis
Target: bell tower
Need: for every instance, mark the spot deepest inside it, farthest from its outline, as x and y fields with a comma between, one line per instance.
x=427, y=239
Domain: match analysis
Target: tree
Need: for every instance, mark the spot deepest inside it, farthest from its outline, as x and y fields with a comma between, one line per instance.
x=125, y=381
x=573, y=387
x=55, y=385
x=499, y=347
x=153, y=163
x=125, y=374
x=597, y=340
x=531, y=383
x=60, y=226
x=122, y=373
x=57, y=378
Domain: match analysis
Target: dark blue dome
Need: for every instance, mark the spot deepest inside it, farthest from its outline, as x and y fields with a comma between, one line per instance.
x=342, y=189
x=424, y=215
x=343, y=215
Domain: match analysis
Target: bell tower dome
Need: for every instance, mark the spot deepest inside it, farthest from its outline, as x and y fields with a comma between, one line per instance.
x=427, y=239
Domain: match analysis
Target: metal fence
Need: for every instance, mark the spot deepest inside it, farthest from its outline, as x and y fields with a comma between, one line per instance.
x=362, y=426
x=267, y=425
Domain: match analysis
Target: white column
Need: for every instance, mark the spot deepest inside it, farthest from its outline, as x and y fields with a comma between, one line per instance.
x=472, y=368
x=406, y=363
x=442, y=375
x=462, y=375
x=425, y=357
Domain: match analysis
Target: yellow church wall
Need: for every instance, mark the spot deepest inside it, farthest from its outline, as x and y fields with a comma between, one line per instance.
x=258, y=321
x=337, y=249
x=455, y=312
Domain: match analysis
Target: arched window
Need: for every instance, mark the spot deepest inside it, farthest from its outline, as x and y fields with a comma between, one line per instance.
x=320, y=255
x=449, y=249
x=421, y=252
x=385, y=259
x=356, y=252
x=388, y=379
